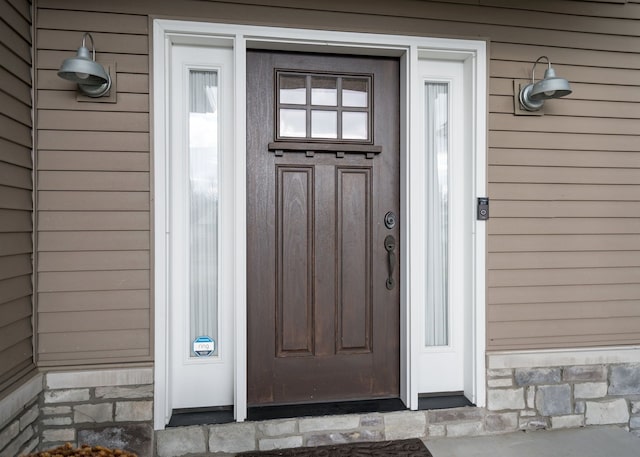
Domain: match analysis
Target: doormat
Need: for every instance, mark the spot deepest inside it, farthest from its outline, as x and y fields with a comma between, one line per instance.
x=398, y=448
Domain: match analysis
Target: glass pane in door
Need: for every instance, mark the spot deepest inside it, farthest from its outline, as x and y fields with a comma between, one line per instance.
x=437, y=159
x=203, y=211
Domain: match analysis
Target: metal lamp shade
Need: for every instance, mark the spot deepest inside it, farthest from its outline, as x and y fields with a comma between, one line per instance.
x=533, y=95
x=550, y=87
x=91, y=77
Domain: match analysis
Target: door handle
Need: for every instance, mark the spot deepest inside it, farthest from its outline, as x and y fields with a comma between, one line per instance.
x=390, y=246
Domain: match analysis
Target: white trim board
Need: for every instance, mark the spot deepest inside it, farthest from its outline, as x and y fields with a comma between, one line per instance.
x=563, y=357
x=410, y=49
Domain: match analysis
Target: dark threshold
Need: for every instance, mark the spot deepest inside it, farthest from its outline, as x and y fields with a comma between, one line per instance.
x=442, y=401
x=224, y=414
x=259, y=413
x=201, y=416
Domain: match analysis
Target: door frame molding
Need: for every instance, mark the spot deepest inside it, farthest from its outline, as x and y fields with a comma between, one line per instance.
x=410, y=49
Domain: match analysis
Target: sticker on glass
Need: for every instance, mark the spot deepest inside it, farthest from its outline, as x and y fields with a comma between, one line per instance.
x=204, y=346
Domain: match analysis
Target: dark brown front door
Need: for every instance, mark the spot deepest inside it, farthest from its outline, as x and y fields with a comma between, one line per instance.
x=323, y=277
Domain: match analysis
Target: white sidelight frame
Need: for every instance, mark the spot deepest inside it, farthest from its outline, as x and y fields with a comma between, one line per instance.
x=410, y=49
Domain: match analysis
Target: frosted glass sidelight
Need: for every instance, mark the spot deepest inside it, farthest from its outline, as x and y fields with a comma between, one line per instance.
x=437, y=159
x=203, y=205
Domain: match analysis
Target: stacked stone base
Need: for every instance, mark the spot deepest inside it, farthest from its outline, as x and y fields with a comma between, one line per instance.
x=525, y=399
x=112, y=408
x=19, y=413
x=568, y=396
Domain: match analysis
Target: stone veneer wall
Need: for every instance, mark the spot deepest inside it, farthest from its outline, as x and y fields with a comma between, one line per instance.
x=19, y=413
x=112, y=408
x=568, y=396
x=518, y=399
x=115, y=408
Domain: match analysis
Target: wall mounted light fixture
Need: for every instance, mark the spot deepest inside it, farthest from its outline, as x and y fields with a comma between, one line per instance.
x=533, y=95
x=92, y=79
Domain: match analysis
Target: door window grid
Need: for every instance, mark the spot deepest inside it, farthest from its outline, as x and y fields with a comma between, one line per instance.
x=321, y=107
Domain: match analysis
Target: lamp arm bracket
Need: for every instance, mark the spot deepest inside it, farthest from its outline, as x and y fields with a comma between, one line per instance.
x=533, y=70
x=93, y=47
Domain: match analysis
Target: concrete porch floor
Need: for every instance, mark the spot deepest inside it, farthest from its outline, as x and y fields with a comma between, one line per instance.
x=583, y=442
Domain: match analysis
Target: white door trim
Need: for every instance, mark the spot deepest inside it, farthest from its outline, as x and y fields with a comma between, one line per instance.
x=409, y=49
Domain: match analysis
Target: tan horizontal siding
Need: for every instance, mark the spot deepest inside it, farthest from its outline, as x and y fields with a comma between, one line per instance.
x=544, y=140
x=15, y=220
x=93, y=260
x=563, y=293
x=16, y=243
x=92, y=220
x=564, y=187
x=577, y=192
x=93, y=161
x=14, y=333
x=51, y=302
x=91, y=180
x=15, y=154
x=16, y=200
x=15, y=287
x=564, y=226
x=88, y=200
x=87, y=321
x=16, y=87
x=586, y=310
x=566, y=209
x=601, y=126
x=15, y=131
x=69, y=281
x=93, y=141
x=15, y=109
x=562, y=276
x=12, y=266
x=17, y=360
x=93, y=195
x=17, y=14
x=15, y=176
x=88, y=241
x=93, y=121
x=15, y=310
x=565, y=158
x=597, y=9
x=563, y=242
x=559, y=243
x=76, y=357
x=562, y=259
x=93, y=340
x=112, y=42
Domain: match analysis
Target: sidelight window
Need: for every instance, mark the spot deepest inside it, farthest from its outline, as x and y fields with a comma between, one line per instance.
x=436, y=133
x=321, y=107
x=203, y=209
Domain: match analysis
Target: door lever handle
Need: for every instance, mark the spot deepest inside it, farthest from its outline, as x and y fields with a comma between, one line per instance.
x=390, y=246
